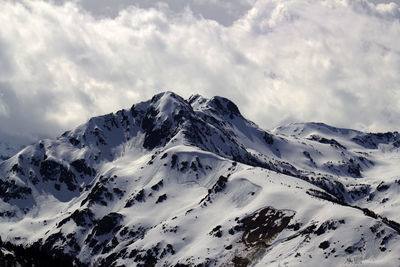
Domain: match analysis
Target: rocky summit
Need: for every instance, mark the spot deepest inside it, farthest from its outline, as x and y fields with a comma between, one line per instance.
x=191, y=182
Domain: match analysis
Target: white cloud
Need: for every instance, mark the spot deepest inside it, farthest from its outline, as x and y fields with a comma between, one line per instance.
x=280, y=60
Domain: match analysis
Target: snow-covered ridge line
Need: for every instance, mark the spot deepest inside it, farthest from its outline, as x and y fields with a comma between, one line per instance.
x=7, y=149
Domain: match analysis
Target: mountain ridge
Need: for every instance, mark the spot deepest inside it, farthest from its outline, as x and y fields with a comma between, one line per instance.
x=199, y=162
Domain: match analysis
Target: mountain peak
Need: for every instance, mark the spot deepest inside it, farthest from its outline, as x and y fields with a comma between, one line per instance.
x=306, y=128
x=217, y=104
x=168, y=103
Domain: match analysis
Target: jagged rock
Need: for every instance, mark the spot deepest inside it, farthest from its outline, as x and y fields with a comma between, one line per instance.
x=108, y=224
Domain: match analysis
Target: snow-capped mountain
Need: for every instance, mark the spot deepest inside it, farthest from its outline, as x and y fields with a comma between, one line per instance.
x=175, y=182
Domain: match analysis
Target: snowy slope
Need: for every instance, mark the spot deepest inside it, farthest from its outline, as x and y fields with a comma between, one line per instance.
x=7, y=149
x=175, y=182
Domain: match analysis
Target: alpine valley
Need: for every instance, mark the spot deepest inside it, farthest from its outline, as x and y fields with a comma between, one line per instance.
x=175, y=182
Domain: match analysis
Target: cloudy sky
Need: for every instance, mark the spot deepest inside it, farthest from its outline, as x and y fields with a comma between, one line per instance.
x=280, y=61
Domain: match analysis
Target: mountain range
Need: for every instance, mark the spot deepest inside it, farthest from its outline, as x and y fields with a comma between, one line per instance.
x=191, y=182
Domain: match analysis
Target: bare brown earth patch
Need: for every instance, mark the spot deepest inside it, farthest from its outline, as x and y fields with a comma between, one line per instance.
x=260, y=229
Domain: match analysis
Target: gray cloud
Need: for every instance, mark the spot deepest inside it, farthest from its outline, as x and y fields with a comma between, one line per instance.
x=280, y=61
x=223, y=11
